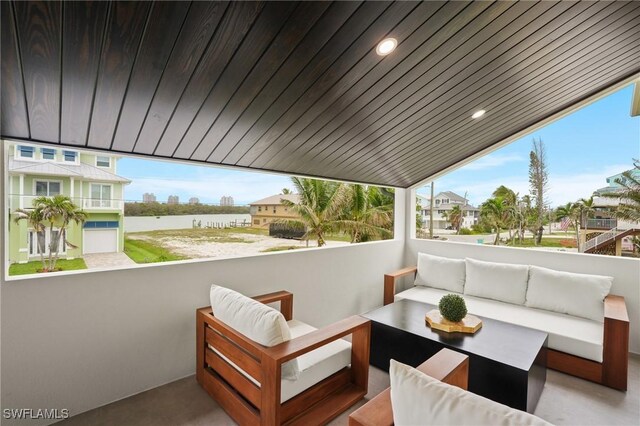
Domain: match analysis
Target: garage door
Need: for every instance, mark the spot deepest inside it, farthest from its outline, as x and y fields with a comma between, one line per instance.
x=100, y=241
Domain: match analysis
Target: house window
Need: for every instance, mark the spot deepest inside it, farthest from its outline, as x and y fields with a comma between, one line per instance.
x=102, y=161
x=256, y=222
x=274, y=209
x=25, y=151
x=70, y=156
x=100, y=195
x=259, y=208
x=43, y=241
x=48, y=153
x=45, y=188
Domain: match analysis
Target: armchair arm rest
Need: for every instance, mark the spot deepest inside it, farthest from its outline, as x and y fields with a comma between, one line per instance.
x=615, y=308
x=390, y=282
x=306, y=343
x=449, y=367
x=284, y=297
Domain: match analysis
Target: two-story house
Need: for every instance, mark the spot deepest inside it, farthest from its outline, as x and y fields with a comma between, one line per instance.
x=271, y=208
x=444, y=202
x=90, y=180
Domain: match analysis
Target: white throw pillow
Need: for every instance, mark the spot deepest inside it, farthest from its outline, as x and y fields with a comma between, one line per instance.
x=255, y=320
x=505, y=282
x=580, y=295
x=440, y=272
x=418, y=399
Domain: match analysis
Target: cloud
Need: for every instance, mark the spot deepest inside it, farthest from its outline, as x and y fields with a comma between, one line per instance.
x=493, y=160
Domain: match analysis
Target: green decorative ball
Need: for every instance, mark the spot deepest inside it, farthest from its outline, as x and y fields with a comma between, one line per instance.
x=452, y=307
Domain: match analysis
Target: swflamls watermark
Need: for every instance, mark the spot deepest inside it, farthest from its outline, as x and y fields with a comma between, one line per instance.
x=35, y=413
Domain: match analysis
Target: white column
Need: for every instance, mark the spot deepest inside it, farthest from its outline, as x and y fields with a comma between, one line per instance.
x=21, y=191
x=71, y=189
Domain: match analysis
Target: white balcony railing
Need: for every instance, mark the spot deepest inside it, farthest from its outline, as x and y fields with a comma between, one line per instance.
x=26, y=201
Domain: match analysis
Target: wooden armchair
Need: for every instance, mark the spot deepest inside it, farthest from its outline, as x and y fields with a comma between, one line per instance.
x=447, y=366
x=226, y=379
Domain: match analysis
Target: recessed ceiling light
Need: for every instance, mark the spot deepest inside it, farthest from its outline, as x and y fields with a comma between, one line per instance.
x=386, y=46
x=478, y=114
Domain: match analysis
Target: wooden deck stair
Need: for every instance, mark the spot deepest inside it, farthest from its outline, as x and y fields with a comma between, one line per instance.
x=608, y=237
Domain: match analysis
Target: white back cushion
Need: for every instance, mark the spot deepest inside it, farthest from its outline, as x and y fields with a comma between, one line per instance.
x=498, y=281
x=440, y=272
x=255, y=320
x=580, y=295
x=418, y=399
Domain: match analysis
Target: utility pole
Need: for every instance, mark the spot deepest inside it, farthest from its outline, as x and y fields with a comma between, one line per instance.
x=431, y=213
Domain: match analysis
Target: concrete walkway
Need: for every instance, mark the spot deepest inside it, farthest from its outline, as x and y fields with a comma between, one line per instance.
x=107, y=260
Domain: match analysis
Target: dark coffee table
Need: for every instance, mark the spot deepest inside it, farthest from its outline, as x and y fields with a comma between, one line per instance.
x=507, y=362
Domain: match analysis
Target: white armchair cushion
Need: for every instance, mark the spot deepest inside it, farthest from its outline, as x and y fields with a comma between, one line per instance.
x=255, y=320
x=418, y=399
x=580, y=295
x=498, y=281
x=440, y=272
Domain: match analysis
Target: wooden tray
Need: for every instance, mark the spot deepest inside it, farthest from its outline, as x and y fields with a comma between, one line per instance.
x=469, y=324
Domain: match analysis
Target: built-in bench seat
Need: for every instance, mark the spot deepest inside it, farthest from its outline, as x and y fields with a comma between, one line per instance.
x=573, y=335
x=588, y=328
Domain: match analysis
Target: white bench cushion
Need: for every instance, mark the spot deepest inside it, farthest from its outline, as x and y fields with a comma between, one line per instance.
x=505, y=282
x=440, y=272
x=580, y=295
x=417, y=399
x=315, y=366
x=257, y=321
x=573, y=335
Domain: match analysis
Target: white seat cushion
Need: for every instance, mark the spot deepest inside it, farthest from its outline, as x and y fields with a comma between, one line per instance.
x=417, y=399
x=505, y=282
x=580, y=295
x=255, y=320
x=573, y=335
x=315, y=366
x=440, y=272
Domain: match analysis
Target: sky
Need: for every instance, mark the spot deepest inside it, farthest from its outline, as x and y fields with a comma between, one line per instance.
x=583, y=149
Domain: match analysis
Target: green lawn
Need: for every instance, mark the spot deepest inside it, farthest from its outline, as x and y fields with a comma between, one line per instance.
x=35, y=266
x=227, y=235
x=281, y=248
x=546, y=242
x=146, y=252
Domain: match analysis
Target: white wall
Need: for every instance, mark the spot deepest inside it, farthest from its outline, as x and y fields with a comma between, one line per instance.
x=625, y=271
x=83, y=340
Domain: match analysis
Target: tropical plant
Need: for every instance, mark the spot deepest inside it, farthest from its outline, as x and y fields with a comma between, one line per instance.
x=367, y=215
x=286, y=191
x=629, y=194
x=571, y=212
x=587, y=209
x=454, y=216
x=56, y=212
x=539, y=182
x=512, y=219
x=496, y=214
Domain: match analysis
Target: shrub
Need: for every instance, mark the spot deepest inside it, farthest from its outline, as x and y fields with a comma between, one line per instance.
x=465, y=231
x=452, y=307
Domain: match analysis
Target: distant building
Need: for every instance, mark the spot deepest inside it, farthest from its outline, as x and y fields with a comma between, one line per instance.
x=613, y=184
x=173, y=199
x=444, y=203
x=226, y=200
x=148, y=197
x=271, y=208
x=194, y=200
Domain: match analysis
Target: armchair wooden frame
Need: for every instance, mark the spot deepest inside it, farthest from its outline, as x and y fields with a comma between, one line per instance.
x=447, y=366
x=613, y=369
x=250, y=404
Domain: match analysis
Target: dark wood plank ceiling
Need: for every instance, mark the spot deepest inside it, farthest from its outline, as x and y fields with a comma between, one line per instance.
x=298, y=87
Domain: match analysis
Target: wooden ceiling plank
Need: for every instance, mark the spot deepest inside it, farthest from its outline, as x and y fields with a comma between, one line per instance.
x=295, y=30
x=165, y=24
x=124, y=32
x=39, y=33
x=538, y=54
x=15, y=117
x=83, y=29
x=200, y=25
x=408, y=166
x=394, y=112
x=309, y=49
x=244, y=59
x=257, y=138
x=471, y=26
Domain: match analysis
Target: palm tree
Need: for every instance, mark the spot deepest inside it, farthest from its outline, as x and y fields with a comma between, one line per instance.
x=319, y=209
x=572, y=212
x=510, y=200
x=495, y=212
x=587, y=209
x=58, y=211
x=34, y=220
x=629, y=194
x=368, y=214
x=454, y=216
